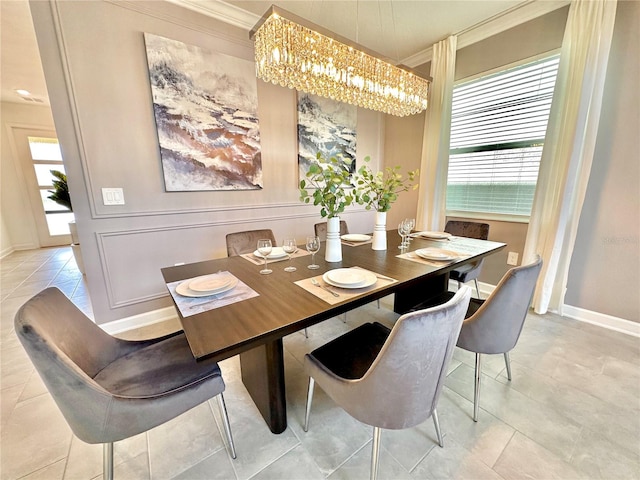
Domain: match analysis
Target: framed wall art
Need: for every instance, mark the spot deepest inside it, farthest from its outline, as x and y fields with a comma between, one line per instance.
x=325, y=126
x=205, y=106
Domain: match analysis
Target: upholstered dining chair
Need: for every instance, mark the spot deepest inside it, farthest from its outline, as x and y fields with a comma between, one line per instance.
x=239, y=243
x=321, y=229
x=494, y=325
x=390, y=378
x=109, y=389
x=470, y=271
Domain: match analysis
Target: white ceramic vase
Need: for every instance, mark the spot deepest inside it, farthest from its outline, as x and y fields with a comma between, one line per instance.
x=380, y=232
x=333, y=250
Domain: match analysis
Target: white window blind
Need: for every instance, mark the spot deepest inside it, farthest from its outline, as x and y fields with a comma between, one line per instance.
x=498, y=125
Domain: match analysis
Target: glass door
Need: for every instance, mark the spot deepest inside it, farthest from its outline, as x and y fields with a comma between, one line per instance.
x=41, y=161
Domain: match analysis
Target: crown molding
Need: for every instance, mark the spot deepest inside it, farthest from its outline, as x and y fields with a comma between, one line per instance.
x=221, y=11
x=513, y=17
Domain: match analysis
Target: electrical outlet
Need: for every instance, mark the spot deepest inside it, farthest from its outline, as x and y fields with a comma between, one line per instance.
x=512, y=258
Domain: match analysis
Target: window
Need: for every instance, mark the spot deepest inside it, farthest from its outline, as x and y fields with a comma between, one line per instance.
x=498, y=124
x=46, y=156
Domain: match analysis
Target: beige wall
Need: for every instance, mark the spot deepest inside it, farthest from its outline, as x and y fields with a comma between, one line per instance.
x=19, y=229
x=605, y=266
x=101, y=100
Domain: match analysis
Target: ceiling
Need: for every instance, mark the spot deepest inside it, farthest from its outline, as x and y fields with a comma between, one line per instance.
x=401, y=30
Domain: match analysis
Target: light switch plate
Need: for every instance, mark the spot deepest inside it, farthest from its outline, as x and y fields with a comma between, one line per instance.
x=512, y=258
x=112, y=196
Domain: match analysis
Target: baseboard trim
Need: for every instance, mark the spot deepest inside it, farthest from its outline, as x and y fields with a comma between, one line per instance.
x=6, y=251
x=602, y=320
x=139, y=321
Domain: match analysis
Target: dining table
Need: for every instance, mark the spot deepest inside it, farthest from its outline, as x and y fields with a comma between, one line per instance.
x=253, y=322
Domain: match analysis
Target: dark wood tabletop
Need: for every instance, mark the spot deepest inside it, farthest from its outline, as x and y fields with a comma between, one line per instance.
x=282, y=307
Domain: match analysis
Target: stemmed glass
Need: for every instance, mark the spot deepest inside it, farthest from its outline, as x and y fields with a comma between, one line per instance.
x=265, y=247
x=289, y=246
x=410, y=223
x=402, y=231
x=313, y=245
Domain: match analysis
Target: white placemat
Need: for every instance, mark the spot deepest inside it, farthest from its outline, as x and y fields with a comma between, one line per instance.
x=260, y=261
x=193, y=305
x=343, y=293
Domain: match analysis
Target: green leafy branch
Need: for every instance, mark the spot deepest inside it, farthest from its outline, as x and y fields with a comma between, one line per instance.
x=379, y=190
x=328, y=183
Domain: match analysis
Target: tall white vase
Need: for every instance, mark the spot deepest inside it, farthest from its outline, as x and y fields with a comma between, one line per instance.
x=380, y=232
x=333, y=251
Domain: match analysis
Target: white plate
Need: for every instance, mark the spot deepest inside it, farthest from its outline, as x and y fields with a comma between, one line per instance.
x=184, y=290
x=276, y=252
x=436, y=254
x=355, y=237
x=348, y=278
x=434, y=235
x=211, y=283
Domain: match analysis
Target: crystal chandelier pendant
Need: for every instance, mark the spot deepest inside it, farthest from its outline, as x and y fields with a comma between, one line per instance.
x=295, y=53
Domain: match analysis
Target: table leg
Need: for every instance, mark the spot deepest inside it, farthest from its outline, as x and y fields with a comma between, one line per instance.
x=423, y=292
x=263, y=376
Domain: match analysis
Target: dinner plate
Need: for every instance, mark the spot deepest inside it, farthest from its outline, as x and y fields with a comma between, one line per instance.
x=436, y=254
x=356, y=237
x=210, y=283
x=184, y=290
x=276, y=252
x=349, y=278
x=434, y=235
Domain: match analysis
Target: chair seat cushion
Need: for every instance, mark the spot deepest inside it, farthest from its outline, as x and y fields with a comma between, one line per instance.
x=464, y=273
x=350, y=355
x=158, y=369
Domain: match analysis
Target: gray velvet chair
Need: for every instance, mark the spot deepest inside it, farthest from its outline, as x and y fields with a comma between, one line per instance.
x=390, y=378
x=239, y=243
x=321, y=229
x=470, y=271
x=494, y=325
x=110, y=389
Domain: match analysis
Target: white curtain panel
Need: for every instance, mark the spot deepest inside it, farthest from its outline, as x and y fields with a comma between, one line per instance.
x=435, y=144
x=569, y=146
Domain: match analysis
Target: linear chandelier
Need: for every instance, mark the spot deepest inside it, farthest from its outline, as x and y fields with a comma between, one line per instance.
x=295, y=53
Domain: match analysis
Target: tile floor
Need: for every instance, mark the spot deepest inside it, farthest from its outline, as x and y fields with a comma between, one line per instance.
x=572, y=410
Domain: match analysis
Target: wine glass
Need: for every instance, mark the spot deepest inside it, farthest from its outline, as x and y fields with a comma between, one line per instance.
x=289, y=246
x=313, y=245
x=265, y=247
x=402, y=231
x=411, y=223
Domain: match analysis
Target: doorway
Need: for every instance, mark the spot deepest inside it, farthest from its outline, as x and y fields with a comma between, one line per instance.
x=39, y=153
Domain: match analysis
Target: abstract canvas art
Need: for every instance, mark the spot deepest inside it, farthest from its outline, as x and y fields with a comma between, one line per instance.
x=206, y=109
x=325, y=126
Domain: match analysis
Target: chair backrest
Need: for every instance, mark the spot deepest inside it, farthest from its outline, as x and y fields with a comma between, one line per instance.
x=402, y=386
x=247, y=242
x=68, y=350
x=496, y=326
x=462, y=228
x=321, y=229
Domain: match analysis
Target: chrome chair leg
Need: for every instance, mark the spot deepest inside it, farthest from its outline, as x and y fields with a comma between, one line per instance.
x=436, y=423
x=476, y=388
x=312, y=383
x=226, y=425
x=344, y=317
x=306, y=334
x=477, y=289
x=375, y=453
x=107, y=461
x=507, y=362
x=378, y=303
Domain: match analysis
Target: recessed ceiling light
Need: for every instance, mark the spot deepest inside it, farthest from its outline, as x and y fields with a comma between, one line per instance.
x=24, y=93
